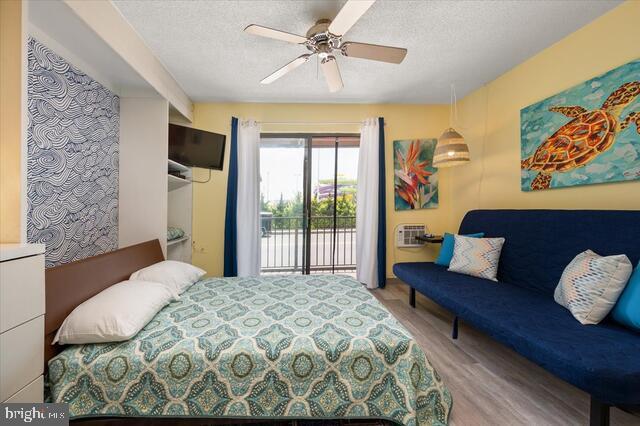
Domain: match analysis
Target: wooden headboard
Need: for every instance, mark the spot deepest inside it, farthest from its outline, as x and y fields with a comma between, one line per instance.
x=68, y=285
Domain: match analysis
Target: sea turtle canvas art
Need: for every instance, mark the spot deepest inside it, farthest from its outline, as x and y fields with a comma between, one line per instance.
x=415, y=178
x=585, y=135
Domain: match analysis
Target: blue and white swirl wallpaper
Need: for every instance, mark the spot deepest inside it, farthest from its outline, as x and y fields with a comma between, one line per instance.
x=72, y=161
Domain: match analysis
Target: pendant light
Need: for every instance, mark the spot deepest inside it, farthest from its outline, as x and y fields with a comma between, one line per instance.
x=451, y=149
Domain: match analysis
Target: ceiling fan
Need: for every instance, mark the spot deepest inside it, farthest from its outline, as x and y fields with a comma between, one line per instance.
x=324, y=38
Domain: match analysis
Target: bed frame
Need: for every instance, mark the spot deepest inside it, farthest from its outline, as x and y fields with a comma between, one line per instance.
x=68, y=285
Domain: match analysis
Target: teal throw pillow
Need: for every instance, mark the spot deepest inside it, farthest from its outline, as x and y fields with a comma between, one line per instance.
x=627, y=310
x=446, y=251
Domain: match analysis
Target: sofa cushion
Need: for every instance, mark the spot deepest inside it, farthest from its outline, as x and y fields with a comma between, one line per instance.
x=541, y=243
x=600, y=359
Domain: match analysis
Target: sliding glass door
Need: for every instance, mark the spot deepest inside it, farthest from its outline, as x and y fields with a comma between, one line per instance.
x=308, y=197
x=282, y=188
x=332, y=203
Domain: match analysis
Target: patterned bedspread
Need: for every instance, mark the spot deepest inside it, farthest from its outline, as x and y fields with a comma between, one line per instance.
x=269, y=347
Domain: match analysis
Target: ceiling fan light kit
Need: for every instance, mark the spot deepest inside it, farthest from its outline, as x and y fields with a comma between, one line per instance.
x=324, y=39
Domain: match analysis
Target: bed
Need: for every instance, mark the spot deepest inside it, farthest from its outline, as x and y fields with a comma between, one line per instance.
x=265, y=348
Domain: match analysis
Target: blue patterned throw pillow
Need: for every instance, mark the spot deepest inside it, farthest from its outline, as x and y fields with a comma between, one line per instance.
x=446, y=250
x=591, y=284
x=477, y=257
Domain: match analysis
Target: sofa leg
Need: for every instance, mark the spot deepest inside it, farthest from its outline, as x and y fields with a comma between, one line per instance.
x=412, y=297
x=454, y=332
x=599, y=413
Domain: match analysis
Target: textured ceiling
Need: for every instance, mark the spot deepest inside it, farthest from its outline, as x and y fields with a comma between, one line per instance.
x=464, y=42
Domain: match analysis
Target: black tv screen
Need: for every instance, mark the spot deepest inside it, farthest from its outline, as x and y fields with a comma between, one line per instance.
x=196, y=148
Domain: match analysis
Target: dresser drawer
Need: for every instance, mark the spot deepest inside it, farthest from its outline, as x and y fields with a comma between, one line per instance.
x=21, y=291
x=33, y=392
x=22, y=359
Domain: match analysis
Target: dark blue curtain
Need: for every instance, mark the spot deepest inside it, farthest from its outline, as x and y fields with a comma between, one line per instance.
x=382, y=212
x=230, y=221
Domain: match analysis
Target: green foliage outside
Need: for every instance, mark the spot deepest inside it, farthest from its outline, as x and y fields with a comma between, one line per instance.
x=321, y=211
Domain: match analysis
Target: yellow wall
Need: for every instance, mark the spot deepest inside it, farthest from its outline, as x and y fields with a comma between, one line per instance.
x=403, y=122
x=490, y=120
x=10, y=119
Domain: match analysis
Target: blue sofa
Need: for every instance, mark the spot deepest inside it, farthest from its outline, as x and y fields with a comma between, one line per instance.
x=519, y=310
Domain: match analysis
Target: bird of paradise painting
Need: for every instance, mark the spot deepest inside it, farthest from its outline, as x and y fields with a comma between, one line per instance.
x=415, y=178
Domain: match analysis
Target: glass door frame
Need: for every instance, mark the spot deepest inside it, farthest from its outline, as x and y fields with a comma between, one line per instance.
x=306, y=183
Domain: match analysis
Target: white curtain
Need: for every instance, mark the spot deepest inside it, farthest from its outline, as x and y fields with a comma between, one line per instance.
x=367, y=205
x=248, y=212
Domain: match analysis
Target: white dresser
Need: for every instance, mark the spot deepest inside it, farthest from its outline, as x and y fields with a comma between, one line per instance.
x=22, y=305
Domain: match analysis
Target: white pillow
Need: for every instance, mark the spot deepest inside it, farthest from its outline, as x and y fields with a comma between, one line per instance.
x=477, y=257
x=591, y=284
x=115, y=314
x=178, y=276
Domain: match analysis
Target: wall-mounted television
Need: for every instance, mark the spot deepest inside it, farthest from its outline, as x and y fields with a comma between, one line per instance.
x=196, y=148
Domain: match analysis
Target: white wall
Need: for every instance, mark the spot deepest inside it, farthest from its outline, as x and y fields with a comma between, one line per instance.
x=143, y=170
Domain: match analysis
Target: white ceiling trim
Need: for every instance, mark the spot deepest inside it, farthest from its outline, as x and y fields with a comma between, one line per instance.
x=108, y=23
x=96, y=73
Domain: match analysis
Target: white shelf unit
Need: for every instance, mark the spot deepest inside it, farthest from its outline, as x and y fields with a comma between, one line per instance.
x=178, y=240
x=174, y=165
x=175, y=182
x=179, y=210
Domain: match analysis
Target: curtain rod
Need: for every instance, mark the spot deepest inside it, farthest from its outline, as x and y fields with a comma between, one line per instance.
x=304, y=123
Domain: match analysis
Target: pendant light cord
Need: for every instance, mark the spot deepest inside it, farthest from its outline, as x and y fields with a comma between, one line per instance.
x=484, y=142
x=453, y=107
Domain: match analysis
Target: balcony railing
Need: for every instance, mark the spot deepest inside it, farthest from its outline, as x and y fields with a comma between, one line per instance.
x=283, y=244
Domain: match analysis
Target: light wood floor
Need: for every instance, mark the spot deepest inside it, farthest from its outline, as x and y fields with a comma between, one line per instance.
x=490, y=384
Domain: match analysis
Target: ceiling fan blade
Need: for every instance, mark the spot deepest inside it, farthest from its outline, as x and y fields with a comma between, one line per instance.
x=331, y=73
x=286, y=69
x=276, y=34
x=375, y=52
x=349, y=15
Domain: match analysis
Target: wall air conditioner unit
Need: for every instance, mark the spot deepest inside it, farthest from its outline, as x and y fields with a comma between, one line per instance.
x=406, y=234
